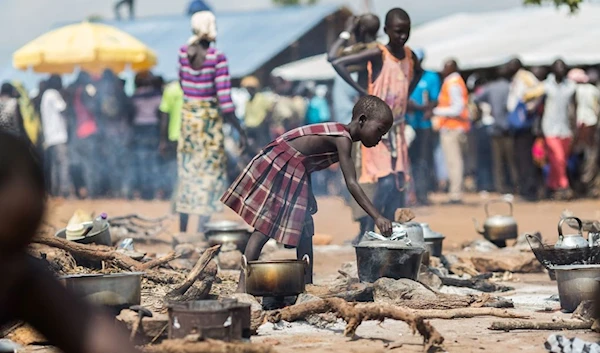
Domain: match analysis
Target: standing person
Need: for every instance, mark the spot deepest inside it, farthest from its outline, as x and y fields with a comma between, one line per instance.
x=524, y=135
x=259, y=108
x=204, y=76
x=116, y=112
x=85, y=136
x=557, y=125
x=274, y=195
x=10, y=114
x=318, y=110
x=30, y=116
x=121, y=3
x=588, y=108
x=146, y=135
x=495, y=94
x=56, y=136
x=422, y=101
x=452, y=120
x=171, y=106
x=365, y=30
x=393, y=72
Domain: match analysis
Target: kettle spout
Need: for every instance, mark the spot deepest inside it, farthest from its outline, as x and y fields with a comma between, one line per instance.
x=482, y=232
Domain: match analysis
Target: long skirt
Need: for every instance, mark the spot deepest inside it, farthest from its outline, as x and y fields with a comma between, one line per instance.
x=201, y=159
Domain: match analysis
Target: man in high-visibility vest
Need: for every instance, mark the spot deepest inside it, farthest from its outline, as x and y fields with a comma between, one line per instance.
x=451, y=119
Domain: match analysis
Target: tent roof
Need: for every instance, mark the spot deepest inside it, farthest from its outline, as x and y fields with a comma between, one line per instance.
x=536, y=35
x=476, y=40
x=249, y=38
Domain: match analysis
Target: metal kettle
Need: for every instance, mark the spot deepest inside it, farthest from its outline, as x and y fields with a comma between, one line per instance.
x=571, y=241
x=498, y=228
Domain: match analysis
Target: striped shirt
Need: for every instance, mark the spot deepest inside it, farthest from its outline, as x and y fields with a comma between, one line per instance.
x=209, y=82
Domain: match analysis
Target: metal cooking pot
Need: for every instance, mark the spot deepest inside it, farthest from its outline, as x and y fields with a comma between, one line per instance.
x=498, y=228
x=276, y=278
x=571, y=241
x=391, y=259
x=225, y=320
x=223, y=232
x=117, y=291
x=576, y=283
x=433, y=240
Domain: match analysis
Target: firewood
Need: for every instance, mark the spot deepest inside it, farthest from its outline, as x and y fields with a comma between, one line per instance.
x=479, y=284
x=101, y=253
x=195, y=273
x=540, y=325
x=158, y=262
x=467, y=313
x=207, y=346
x=355, y=314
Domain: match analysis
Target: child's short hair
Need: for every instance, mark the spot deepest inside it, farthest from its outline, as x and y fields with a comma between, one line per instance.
x=372, y=107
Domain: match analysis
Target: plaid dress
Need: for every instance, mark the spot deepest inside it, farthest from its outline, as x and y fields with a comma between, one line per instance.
x=272, y=193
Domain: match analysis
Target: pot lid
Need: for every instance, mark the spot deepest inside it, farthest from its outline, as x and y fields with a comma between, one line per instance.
x=575, y=267
x=225, y=225
x=389, y=244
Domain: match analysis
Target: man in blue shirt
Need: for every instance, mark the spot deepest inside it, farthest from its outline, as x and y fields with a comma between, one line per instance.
x=420, y=108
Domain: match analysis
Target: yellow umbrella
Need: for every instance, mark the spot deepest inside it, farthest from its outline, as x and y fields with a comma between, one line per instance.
x=91, y=46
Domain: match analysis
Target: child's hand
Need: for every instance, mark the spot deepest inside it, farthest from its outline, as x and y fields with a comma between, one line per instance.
x=384, y=225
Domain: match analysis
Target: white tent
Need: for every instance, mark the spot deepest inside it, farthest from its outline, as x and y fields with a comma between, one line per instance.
x=315, y=68
x=537, y=35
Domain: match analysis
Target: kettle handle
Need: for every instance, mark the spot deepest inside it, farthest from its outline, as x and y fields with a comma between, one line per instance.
x=487, y=214
x=560, y=223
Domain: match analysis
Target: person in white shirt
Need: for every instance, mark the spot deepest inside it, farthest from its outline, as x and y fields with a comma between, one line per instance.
x=54, y=127
x=587, y=95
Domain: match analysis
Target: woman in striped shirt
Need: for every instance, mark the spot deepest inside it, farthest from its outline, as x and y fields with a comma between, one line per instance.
x=204, y=78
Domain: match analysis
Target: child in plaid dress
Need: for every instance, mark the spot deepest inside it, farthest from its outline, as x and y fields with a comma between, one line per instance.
x=273, y=194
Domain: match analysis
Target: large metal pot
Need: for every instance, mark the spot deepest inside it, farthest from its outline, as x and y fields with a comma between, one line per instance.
x=223, y=232
x=276, y=278
x=433, y=240
x=576, y=283
x=225, y=320
x=117, y=291
x=498, y=228
x=571, y=241
x=391, y=259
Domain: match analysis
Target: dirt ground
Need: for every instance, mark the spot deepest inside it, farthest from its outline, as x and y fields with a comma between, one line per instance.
x=334, y=218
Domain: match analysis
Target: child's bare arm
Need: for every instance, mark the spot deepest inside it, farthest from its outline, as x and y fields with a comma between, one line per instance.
x=344, y=147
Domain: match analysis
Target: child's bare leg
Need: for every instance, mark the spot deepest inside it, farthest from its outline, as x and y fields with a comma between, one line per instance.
x=255, y=244
x=305, y=247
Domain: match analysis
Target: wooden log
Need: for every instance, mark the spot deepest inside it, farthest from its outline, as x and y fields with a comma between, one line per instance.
x=479, y=284
x=158, y=262
x=207, y=346
x=540, y=325
x=355, y=314
x=466, y=313
x=92, y=252
x=201, y=264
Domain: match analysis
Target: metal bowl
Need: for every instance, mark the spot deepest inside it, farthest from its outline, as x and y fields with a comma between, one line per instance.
x=118, y=290
x=224, y=232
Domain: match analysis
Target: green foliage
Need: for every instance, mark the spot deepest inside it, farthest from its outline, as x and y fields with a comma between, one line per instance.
x=294, y=2
x=572, y=4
